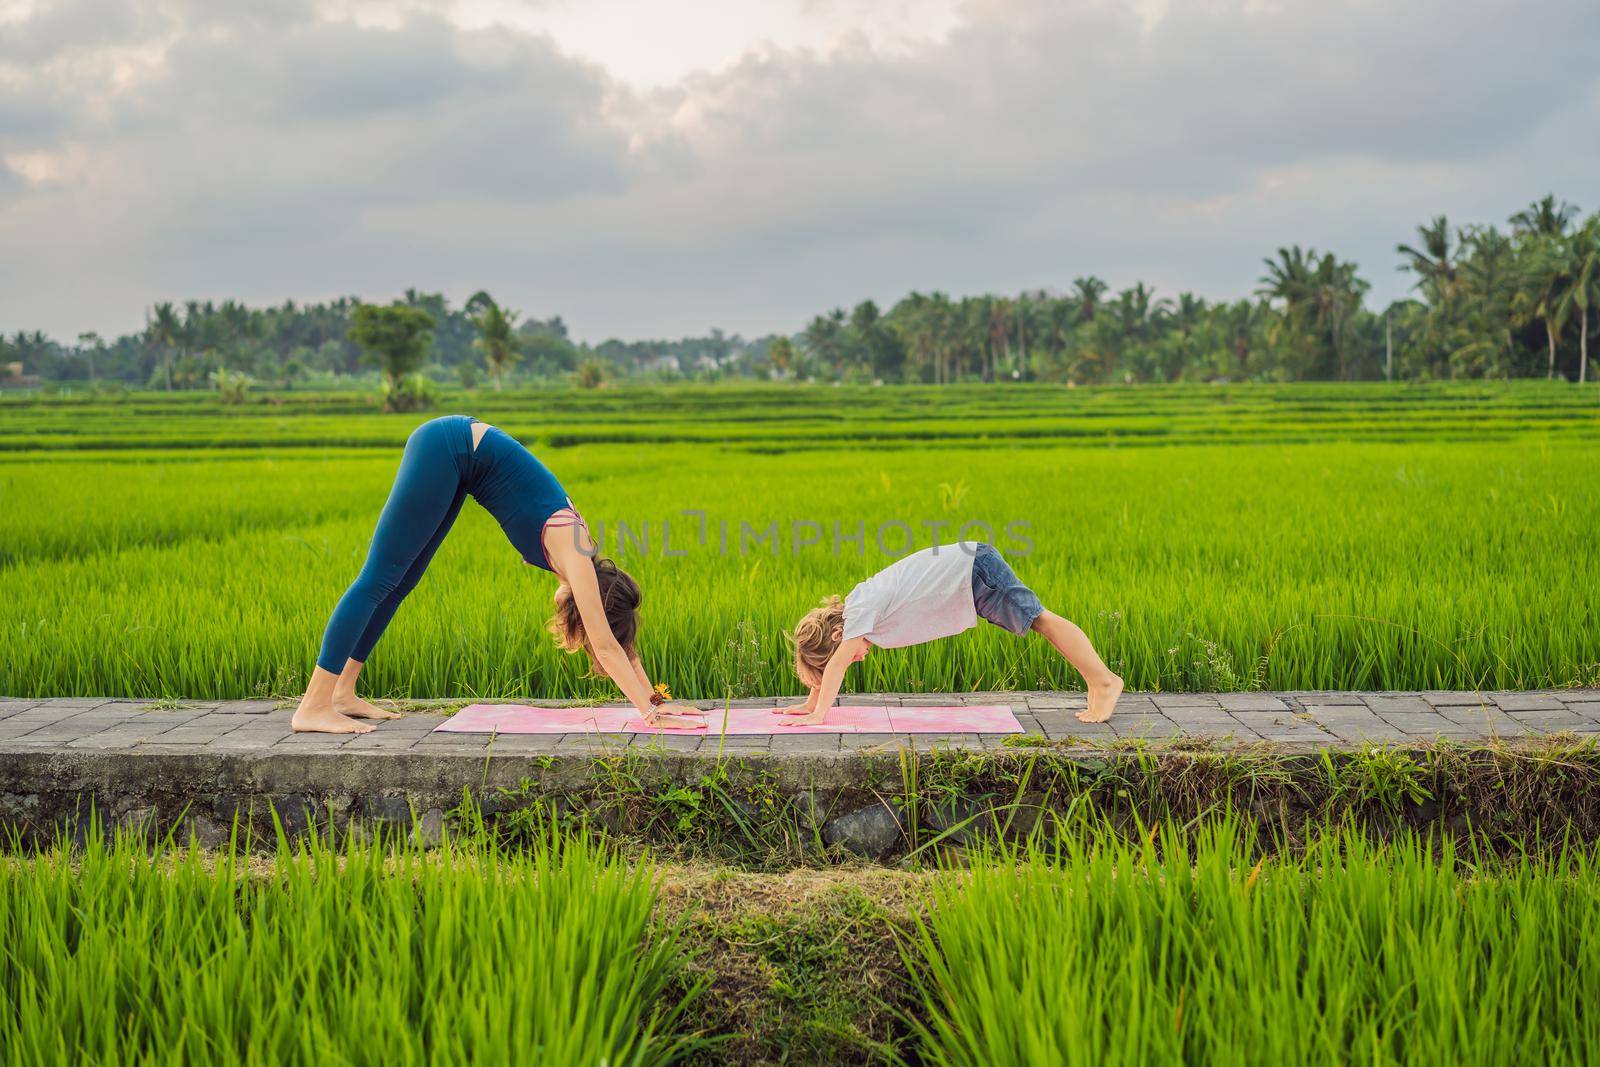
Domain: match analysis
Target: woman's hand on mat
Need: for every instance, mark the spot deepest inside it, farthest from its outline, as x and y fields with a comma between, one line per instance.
x=678, y=716
x=796, y=709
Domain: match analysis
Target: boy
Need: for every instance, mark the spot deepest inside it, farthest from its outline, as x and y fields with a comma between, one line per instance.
x=934, y=593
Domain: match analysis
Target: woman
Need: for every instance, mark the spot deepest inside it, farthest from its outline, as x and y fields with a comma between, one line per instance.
x=447, y=460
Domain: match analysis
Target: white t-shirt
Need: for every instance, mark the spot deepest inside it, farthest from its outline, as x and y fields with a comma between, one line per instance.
x=926, y=596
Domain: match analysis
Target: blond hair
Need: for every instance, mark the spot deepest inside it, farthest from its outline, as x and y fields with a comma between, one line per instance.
x=816, y=636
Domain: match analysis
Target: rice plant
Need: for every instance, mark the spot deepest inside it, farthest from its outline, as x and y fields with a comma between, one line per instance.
x=382, y=953
x=1352, y=952
x=1316, y=536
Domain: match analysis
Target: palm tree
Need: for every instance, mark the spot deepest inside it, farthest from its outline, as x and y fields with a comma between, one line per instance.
x=1338, y=294
x=781, y=354
x=164, y=328
x=1288, y=278
x=1241, y=322
x=942, y=323
x=1033, y=318
x=1099, y=343
x=875, y=340
x=1183, y=317
x=1187, y=313
x=1544, y=281
x=1488, y=279
x=497, y=338
x=1546, y=217
x=998, y=339
x=1319, y=293
x=1088, y=293
x=1056, y=329
x=824, y=339
x=864, y=318
x=1583, y=290
x=1434, y=262
x=1134, y=307
x=1122, y=331
x=910, y=319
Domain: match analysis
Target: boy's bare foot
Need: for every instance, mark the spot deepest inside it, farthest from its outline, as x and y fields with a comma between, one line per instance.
x=1102, y=701
x=356, y=708
x=324, y=720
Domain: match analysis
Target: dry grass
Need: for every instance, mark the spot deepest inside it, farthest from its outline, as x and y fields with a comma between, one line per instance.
x=802, y=966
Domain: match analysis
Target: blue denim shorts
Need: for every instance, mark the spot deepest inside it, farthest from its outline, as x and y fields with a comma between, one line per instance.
x=999, y=594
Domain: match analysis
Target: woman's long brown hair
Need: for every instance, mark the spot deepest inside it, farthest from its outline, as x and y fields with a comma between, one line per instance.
x=620, y=597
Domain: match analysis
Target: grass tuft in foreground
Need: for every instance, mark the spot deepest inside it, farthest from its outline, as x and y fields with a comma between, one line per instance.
x=1209, y=950
x=377, y=953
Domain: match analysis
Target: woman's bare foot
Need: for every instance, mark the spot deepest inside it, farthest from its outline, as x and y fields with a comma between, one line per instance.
x=311, y=719
x=356, y=708
x=1102, y=700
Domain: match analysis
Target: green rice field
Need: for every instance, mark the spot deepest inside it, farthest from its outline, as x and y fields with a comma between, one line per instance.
x=1207, y=537
x=1186, y=947
x=360, y=955
x=1406, y=952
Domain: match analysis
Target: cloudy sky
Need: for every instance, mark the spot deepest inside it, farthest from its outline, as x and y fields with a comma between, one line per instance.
x=654, y=168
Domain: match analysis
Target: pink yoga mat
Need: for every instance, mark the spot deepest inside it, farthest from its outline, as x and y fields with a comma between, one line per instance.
x=522, y=719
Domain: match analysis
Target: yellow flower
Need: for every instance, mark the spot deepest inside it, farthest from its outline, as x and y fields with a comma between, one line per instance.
x=663, y=691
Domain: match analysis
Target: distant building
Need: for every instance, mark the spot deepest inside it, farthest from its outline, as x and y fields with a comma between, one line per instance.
x=13, y=378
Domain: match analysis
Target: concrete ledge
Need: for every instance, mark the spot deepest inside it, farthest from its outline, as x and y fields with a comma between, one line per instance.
x=199, y=767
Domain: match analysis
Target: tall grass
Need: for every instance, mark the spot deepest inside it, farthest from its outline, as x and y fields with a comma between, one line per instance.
x=1384, y=554
x=1353, y=952
x=366, y=954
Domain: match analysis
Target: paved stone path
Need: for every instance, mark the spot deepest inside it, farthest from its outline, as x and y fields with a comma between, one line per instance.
x=1317, y=719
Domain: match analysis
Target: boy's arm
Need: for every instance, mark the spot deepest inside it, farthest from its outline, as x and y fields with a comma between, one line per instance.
x=827, y=691
x=800, y=709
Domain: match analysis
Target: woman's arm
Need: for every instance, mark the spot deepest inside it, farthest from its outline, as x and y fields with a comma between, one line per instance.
x=827, y=691
x=671, y=713
x=638, y=669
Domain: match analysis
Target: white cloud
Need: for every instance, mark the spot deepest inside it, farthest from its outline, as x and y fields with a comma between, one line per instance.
x=195, y=149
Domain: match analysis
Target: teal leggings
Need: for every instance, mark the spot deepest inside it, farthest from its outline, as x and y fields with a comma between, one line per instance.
x=435, y=473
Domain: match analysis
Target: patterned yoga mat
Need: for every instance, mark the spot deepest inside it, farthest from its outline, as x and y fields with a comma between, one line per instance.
x=523, y=719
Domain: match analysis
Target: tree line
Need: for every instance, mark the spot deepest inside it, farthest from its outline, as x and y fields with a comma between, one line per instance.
x=1486, y=302
x=184, y=346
